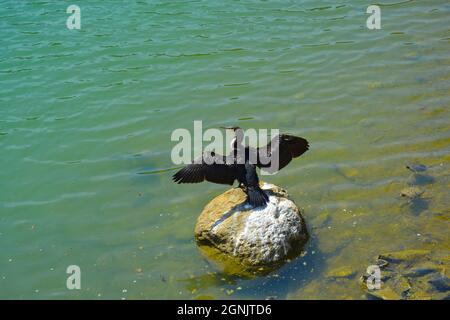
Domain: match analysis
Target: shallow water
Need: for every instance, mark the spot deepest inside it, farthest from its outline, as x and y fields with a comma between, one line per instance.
x=84, y=113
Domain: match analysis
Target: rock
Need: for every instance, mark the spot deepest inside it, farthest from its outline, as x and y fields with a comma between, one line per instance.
x=382, y=263
x=342, y=272
x=410, y=274
x=383, y=294
x=440, y=282
x=229, y=230
x=420, y=177
x=412, y=192
x=417, y=167
x=399, y=256
x=423, y=269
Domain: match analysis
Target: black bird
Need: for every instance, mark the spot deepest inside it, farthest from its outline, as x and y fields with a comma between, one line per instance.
x=241, y=164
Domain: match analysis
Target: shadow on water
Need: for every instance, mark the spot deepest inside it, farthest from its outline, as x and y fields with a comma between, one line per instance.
x=421, y=179
x=295, y=274
x=418, y=205
x=275, y=285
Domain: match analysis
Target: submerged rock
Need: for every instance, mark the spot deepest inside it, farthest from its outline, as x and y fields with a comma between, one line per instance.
x=342, y=272
x=415, y=200
x=412, y=192
x=416, y=167
x=245, y=239
x=420, y=176
x=410, y=274
x=403, y=256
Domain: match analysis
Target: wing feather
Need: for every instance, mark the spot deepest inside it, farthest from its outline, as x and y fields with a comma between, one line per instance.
x=210, y=167
x=288, y=148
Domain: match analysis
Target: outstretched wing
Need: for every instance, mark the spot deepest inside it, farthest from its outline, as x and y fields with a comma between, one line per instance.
x=287, y=147
x=209, y=167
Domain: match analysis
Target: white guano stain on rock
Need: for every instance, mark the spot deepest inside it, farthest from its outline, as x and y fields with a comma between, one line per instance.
x=258, y=236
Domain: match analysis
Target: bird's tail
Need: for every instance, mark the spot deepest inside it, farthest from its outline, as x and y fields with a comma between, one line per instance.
x=256, y=197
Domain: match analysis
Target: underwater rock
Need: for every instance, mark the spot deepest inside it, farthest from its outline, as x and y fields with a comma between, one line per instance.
x=410, y=274
x=415, y=200
x=416, y=167
x=412, y=192
x=384, y=294
x=238, y=236
x=404, y=255
x=342, y=272
x=419, y=177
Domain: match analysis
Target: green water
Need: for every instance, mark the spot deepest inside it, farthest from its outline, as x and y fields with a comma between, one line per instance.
x=84, y=112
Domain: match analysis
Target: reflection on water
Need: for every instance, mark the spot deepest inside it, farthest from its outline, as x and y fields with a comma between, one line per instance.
x=86, y=118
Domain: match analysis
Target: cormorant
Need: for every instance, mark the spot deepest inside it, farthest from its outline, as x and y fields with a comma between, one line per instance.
x=241, y=164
